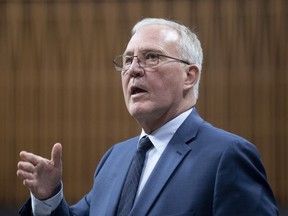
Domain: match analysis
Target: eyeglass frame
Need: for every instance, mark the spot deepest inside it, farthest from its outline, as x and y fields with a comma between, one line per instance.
x=121, y=69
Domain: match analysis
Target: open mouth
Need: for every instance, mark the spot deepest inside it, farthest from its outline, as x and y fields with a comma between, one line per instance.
x=136, y=90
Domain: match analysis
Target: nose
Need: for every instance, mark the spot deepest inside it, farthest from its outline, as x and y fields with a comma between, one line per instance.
x=135, y=69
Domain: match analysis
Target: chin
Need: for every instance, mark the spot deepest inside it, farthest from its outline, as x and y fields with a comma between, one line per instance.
x=138, y=112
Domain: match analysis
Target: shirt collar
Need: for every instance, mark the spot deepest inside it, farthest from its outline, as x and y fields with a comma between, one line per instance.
x=161, y=137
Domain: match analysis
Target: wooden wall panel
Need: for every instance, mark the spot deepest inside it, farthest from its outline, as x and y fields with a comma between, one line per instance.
x=57, y=82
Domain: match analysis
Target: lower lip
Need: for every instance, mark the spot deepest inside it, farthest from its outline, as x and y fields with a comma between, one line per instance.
x=138, y=94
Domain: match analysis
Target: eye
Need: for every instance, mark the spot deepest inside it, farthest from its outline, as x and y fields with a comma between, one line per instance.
x=151, y=56
x=127, y=60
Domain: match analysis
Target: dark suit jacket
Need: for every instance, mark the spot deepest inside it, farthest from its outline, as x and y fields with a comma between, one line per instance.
x=203, y=171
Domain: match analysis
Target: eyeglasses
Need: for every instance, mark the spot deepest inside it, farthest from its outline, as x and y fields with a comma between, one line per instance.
x=122, y=63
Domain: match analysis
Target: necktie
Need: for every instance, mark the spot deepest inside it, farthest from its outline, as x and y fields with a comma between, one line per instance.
x=132, y=179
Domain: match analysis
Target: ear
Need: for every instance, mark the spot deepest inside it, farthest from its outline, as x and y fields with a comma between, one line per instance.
x=192, y=76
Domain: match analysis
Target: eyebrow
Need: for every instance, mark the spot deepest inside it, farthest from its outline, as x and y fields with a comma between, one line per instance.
x=130, y=53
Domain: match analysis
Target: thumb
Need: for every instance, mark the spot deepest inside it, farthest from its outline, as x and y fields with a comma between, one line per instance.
x=56, y=155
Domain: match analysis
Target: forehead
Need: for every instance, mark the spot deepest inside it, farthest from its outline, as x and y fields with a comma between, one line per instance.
x=153, y=37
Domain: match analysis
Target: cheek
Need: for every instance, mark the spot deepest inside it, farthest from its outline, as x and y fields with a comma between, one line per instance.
x=168, y=87
x=124, y=82
x=169, y=94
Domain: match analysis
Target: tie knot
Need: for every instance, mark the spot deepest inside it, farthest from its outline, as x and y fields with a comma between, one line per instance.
x=145, y=144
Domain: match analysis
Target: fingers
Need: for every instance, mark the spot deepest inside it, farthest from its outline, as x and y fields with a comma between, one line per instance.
x=25, y=175
x=30, y=157
x=25, y=170
x=29, y=183
x=26, y=166
x=56, y=155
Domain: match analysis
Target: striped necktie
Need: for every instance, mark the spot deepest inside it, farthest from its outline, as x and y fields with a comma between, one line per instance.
x=132, y=179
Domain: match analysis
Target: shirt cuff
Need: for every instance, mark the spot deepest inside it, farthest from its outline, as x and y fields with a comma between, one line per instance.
x=45, y=207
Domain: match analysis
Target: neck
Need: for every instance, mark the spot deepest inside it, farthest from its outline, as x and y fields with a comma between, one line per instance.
x=149, y=124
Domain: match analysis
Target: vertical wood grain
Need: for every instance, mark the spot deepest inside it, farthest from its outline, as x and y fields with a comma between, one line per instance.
x=58, y=84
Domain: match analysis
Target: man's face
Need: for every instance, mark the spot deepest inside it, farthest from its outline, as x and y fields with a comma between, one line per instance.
x=155, y=95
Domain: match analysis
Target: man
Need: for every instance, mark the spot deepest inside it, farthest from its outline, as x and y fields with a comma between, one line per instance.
x=192, y=167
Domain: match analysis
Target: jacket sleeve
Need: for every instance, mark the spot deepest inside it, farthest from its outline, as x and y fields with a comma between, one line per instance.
x=63, y=209
x=26, y=209
x=241, y=186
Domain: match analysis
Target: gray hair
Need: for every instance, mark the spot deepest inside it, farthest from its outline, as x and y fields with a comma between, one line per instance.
x=188, y=46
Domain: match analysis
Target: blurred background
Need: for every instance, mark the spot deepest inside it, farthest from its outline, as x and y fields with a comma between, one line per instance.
x=58, y=84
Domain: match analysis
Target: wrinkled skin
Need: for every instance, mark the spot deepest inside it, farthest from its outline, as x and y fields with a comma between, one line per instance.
x=40, y=175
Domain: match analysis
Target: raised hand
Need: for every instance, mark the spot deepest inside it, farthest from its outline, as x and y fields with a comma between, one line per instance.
x=40, y=175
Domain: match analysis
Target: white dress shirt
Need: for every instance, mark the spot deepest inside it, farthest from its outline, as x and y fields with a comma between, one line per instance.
x=160, y=139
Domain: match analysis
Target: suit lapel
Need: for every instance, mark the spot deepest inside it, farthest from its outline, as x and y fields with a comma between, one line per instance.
x=174, y=153
x=166, y=165
x=124, y=162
